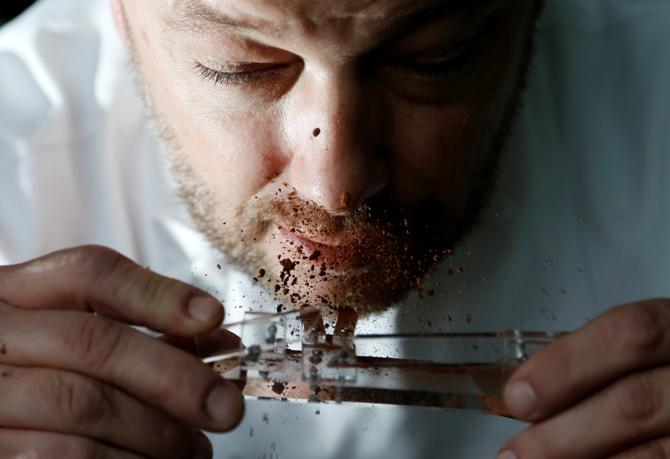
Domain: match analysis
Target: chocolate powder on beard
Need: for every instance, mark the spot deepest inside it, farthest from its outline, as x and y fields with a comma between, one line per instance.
x=382, y=233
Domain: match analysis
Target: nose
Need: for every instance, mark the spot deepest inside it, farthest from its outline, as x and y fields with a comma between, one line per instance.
x=334, y=129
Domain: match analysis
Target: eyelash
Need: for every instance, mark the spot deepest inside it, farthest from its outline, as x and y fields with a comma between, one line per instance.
x=471, y=53
x=219, y=77
x=444, y=69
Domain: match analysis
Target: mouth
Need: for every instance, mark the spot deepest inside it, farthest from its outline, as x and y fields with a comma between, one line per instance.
x=340, y=255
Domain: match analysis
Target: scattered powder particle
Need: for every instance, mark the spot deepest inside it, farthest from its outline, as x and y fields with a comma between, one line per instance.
x=218, y=266
x=261, y=273
x=278, y=387
x=316, y=132
x=287, y=264
x=315, y=255
x=251, y=431
x=266, y=419
x=317, y=412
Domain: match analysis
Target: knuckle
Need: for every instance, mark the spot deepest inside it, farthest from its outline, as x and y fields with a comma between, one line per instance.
x=121, y=275
x=100, y=262
x=79, y=401
x=637, y=399
x=152, y=286
x=93, y=340
x=636, y=328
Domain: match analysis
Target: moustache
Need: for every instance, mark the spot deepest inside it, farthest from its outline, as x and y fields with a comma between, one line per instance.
x=380, y=218
x=370, y=220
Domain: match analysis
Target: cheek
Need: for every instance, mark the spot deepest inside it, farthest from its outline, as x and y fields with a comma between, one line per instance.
x=435, y=151
x=234, y=158
x=233, y=153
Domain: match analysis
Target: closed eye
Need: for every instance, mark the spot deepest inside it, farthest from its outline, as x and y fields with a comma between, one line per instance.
x=246, y=74
x=438, y=68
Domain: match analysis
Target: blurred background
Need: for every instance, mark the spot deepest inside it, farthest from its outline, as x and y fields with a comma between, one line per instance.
x=11, y=8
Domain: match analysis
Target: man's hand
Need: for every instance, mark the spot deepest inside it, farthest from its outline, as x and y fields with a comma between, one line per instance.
x=75, y=384
x=603, y=391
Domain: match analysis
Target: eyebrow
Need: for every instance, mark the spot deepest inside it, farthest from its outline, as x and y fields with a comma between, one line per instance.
x=195, y=15
x=421, y=16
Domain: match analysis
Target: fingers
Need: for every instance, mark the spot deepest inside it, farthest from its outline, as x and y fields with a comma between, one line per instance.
x=148, y=369
x=633, y=410
x=99, y=279
x=655, y=449
x=207, y=344
x=52, y=400
x=625, y=339
x=30, y=444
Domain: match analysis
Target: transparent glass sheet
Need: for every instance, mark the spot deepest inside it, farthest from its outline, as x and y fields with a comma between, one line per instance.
x=284, y=357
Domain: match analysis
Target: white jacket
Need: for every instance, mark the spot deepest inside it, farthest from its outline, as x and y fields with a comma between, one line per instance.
x=580, y=223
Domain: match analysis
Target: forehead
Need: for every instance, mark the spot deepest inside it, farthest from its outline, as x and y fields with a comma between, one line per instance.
x=274, y=17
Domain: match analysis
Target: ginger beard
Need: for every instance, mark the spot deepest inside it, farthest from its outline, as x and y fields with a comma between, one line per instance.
x=374, y=255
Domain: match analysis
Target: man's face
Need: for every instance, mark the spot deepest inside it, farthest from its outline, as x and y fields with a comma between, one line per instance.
x=335, y=149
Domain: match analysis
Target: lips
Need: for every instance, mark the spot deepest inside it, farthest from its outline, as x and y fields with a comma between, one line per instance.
x=338, y=253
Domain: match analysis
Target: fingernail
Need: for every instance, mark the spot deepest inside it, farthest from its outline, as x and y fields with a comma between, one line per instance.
x=506, y=455
x=203, y=308
x=520, y=399
x=224, y=404
x=203, y=448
